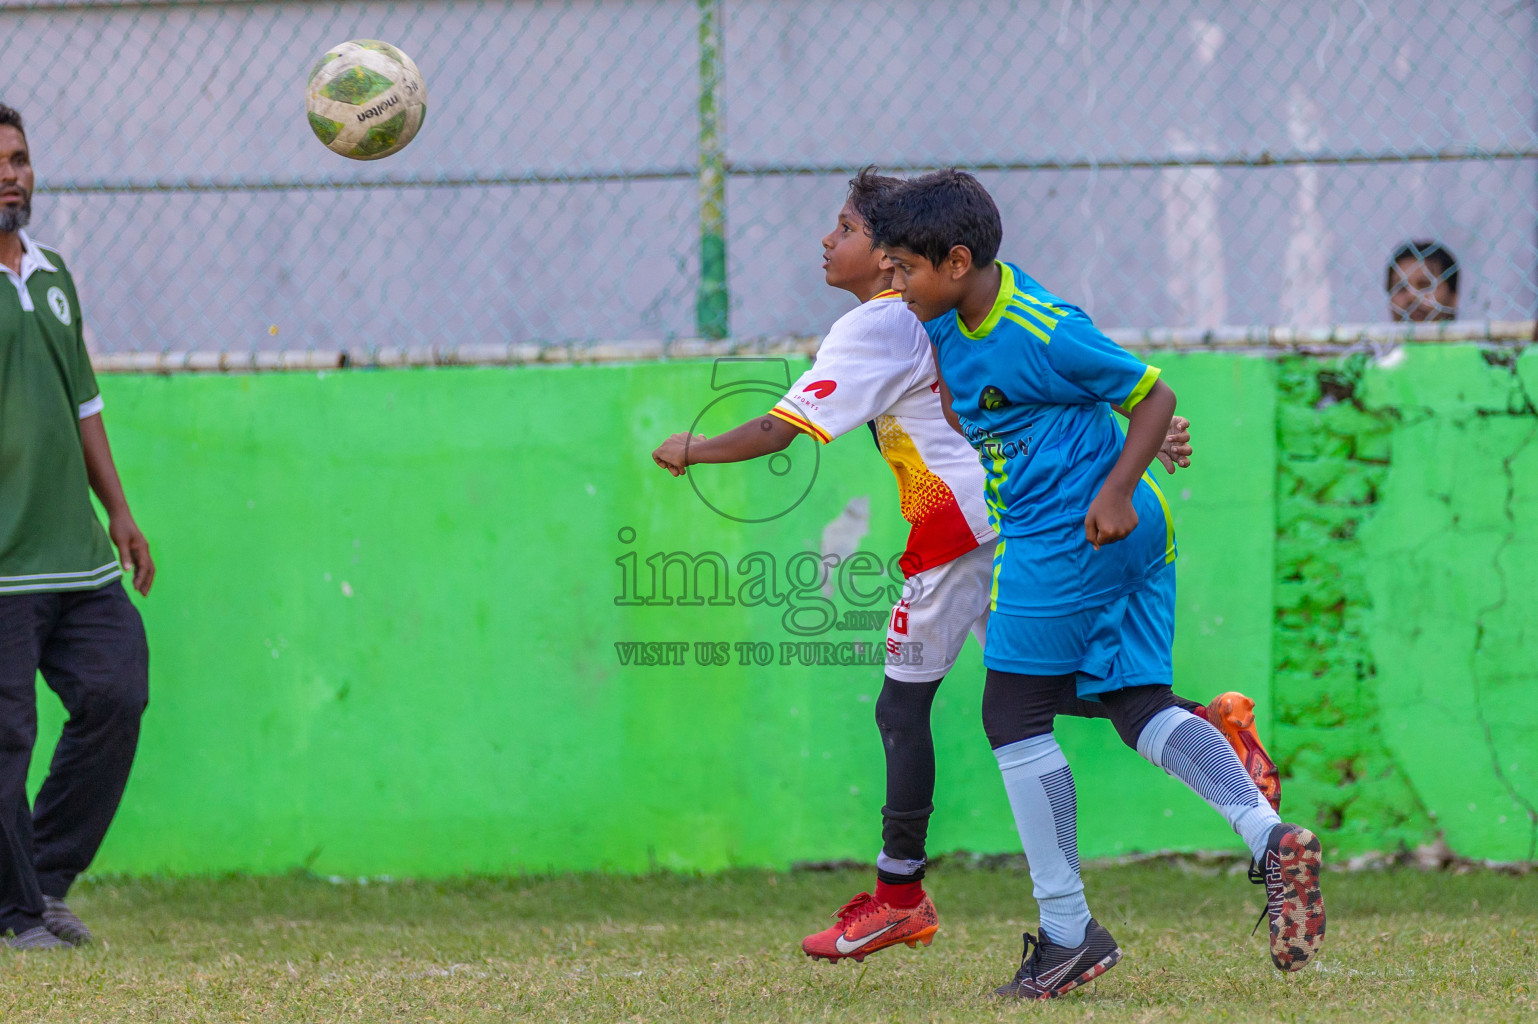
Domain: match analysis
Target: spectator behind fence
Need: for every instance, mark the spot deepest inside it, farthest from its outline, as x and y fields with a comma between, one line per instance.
x=1422, y=282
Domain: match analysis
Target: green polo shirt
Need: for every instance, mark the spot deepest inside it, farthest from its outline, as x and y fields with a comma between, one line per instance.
x=50, y=536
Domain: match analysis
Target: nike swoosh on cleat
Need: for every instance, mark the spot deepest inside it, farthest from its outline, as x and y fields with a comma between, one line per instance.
x=1056, y=974
x=843, y=945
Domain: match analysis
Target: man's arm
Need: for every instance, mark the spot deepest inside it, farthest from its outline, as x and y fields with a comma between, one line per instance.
x=133, y=549
x=753, y=439
x=1111, y=516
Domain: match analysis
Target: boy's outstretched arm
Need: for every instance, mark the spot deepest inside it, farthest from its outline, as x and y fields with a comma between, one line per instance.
x=753, y=439
x=1111, y=516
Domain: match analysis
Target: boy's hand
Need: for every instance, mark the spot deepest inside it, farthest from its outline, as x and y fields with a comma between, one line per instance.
x=1177, y=445
x=1110, y=519
x=672, y=454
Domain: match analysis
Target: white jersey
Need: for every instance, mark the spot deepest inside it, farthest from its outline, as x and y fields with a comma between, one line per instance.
x=876, y=367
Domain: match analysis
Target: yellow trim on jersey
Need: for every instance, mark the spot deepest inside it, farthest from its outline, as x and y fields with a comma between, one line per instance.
x=890, y=293
x=1006, y=293
x=1010, y=314
x=1169, y=524
x=998, y=567
x=804, y=425
x=1033, y=300
x=993, y=476
x=1144, y=386
x=1028, y=304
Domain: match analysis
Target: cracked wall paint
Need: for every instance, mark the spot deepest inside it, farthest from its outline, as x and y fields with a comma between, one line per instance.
x=1405, y=704
x=1339, y=774
x=1452, y=559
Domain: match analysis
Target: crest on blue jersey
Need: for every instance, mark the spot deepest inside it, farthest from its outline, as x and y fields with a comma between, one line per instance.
x=993, y=398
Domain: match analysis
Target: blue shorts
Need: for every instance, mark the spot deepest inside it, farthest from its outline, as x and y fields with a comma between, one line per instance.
x=1125, y=643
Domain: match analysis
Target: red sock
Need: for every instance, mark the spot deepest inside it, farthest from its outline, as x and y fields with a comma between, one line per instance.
x=904, y=894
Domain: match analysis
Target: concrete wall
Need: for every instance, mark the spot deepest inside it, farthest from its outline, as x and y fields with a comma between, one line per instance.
x=386, y=625
x=1407, y=696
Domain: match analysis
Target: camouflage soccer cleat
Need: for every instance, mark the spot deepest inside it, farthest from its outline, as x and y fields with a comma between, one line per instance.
x=1233, y=715
x=865, y=924
x=1294, y=904
x=1051, y=970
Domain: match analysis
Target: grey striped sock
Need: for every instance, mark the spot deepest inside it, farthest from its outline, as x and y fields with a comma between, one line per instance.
x=1039, y=785
x=1190, y=749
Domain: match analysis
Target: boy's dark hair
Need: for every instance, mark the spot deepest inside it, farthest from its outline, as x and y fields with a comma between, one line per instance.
x=868, y=186
x=935, y=212
x=1437, y=257
x=12, y=117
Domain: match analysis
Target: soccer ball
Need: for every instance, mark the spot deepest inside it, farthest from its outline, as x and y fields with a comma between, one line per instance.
x=366, y=99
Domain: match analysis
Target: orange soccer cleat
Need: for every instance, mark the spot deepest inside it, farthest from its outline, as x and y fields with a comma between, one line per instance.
x=866, y=924
x=1233, y=715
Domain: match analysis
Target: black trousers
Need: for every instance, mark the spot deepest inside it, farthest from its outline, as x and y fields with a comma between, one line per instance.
x=90, y=647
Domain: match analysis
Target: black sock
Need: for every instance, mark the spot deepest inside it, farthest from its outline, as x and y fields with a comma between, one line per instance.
x=902, y=714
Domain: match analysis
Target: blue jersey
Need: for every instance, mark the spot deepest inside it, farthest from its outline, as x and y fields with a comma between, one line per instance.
x=1034, y=386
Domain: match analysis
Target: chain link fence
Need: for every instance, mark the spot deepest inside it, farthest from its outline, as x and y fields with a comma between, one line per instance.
x=594, y=171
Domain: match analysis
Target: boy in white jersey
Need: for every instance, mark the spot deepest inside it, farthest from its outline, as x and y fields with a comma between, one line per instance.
x=875, y=367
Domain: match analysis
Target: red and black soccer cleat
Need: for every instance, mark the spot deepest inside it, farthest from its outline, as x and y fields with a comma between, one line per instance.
x=1233, y=715
x=1294, y=904
x=866, y=924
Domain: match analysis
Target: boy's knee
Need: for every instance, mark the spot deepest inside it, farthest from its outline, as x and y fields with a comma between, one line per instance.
x=904, y=707
x=1001, y=729
x=1017, y=707
x=1129, y=731
x=1133, y=708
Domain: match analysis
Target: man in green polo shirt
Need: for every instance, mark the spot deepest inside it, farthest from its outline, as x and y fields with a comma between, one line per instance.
x=63, y=610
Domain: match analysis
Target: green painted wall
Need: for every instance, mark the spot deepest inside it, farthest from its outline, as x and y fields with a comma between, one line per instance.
x=1406, y=689
x=384, y=633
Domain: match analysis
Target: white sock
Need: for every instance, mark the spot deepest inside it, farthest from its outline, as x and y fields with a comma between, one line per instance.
x=1190, y=749
x=1041, y=795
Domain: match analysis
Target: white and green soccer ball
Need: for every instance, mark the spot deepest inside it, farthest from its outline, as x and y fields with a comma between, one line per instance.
x=366, y=99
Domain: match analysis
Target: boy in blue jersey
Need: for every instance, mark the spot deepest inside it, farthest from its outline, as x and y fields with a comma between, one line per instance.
x=875, y=367
x=1083, y=577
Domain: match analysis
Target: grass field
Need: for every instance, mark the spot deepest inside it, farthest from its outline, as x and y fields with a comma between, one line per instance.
x=1402, y=946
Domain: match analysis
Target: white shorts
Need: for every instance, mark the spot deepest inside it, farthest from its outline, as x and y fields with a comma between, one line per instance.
x=940, y=606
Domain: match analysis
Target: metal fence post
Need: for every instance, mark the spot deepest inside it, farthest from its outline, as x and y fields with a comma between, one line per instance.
x=710, y=307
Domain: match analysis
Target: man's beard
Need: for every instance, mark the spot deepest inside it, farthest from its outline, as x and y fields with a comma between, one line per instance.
x=14, y=218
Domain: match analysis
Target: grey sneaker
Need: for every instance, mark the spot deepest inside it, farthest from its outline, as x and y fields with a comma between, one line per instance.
x=61, y=921
x=37, y=938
